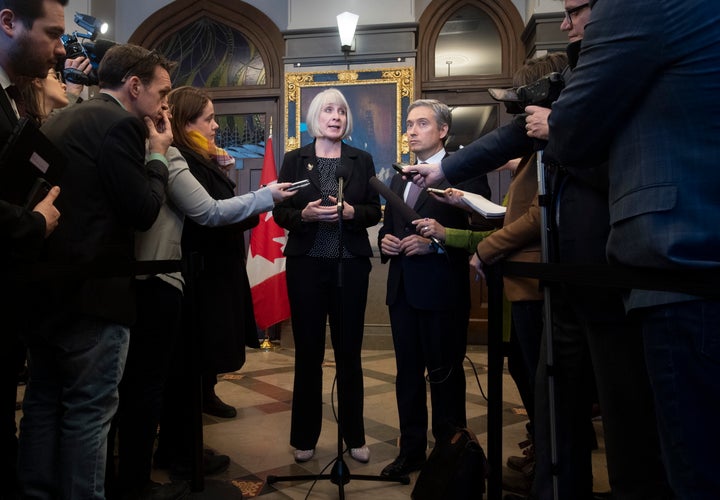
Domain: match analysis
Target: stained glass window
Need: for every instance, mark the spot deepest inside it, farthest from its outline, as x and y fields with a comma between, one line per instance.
x=211, y=54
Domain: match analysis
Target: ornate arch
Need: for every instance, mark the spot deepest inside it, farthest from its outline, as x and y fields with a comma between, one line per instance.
x=256, y=26
x=509, y=25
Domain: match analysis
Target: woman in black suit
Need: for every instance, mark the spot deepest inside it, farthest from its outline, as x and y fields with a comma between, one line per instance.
x=312, y=266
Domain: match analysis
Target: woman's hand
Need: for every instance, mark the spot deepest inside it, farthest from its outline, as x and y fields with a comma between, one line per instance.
x=279, y=192
x=477, y=264
x=348, y=209
x=452, y=197
x=430, y=228
x=315, y=212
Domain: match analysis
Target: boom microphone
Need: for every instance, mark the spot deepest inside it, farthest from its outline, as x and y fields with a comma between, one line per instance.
x=408, y=214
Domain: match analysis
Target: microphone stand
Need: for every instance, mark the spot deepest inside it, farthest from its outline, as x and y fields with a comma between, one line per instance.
x=340, y=474
x=545, y=225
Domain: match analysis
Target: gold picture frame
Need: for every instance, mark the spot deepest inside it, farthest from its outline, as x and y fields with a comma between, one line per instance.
x=378, y=100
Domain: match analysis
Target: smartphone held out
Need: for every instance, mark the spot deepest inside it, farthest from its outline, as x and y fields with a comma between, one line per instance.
x=399, y=168
x=298, y=185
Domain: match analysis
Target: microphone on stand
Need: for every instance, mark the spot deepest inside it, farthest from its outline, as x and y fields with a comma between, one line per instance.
x=408, y=214
x=341, y=173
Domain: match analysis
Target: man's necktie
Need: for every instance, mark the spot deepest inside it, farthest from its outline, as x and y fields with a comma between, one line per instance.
x=413, y=193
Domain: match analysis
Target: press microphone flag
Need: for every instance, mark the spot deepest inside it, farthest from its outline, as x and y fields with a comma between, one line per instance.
x=408, y=214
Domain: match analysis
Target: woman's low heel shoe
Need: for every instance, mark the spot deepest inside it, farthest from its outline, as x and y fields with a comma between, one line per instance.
x=303, y=455
x=361, y=454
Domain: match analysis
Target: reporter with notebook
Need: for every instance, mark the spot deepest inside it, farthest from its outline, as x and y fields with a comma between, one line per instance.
x=29, y=45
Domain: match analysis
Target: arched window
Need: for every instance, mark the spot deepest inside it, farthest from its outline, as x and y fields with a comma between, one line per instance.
x=234, y=52
x=468, y=44
x=213, y=54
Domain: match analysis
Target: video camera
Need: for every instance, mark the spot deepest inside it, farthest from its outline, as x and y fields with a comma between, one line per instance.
x=85, y=44
x=542, y=92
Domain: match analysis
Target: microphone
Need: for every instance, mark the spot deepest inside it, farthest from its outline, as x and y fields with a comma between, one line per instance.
x=341, y=173
x=406, y=213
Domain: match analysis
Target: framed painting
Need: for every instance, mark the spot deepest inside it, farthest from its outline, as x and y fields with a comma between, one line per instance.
x=378, y=100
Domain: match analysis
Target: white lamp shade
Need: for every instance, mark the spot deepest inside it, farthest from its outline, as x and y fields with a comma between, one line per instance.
x=347, y=22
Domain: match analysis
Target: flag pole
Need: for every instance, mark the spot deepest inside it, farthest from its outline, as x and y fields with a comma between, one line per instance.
x=266, y=345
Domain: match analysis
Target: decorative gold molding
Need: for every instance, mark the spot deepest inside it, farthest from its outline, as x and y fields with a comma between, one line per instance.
x=402, y=78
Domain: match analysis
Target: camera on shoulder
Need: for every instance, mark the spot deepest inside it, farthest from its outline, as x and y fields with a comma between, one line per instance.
x=87, y=45
x=542, y=92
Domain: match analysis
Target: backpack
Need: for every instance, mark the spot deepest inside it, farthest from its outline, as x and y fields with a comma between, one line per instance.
x=454, y=470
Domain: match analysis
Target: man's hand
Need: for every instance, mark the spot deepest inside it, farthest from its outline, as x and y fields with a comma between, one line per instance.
x=47, y=209
x=81, y=64
x=428, y=174
x=315, y=212
x=536, y=122
x=390, y=245
x=415, y=245
x=160, y=133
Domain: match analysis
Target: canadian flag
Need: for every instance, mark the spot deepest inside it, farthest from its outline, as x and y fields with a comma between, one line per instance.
x=266, y=263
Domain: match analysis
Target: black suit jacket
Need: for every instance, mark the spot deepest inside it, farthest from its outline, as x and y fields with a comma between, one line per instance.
x=224, y=304
x=434, y=281
x=22, y=232
x=298, y=165
x=108, y=192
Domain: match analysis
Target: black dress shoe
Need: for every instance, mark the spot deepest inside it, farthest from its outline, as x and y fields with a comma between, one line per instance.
x=512, y=496
x=403, y=465
x=212, y=464
x=175, y=490
x=213, y=405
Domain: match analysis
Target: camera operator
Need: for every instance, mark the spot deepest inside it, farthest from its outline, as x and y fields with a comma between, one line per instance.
x=590, y=329
x=79, y=341
x=29, y=46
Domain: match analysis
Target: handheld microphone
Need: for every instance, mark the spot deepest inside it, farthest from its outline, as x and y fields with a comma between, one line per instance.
x=408, y=214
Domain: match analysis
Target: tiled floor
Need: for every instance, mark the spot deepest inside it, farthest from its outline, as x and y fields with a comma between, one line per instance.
x=257, y=439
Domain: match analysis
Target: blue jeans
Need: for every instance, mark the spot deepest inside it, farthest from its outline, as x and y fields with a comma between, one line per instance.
x=70, y=400
x=682, y=351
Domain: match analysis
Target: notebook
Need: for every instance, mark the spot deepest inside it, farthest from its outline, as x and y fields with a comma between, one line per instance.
x=29, y=165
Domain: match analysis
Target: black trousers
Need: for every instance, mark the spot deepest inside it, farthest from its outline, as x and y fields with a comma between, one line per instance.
x=314, y=298
x=434, y=341
x=592, y=336
x=12, y=358
x=152, y=340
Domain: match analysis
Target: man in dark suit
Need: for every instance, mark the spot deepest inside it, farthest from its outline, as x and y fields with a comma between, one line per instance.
x=645, y=92
x=79, y=340
x=428, y=295
x=29, y=45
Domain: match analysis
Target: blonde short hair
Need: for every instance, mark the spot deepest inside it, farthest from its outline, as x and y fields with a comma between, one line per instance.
x=329, y=96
